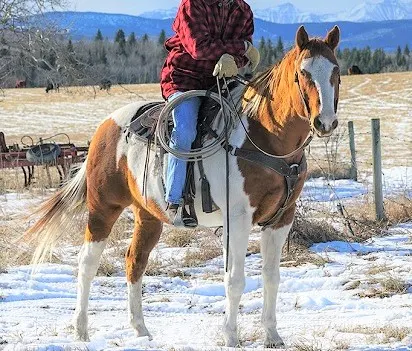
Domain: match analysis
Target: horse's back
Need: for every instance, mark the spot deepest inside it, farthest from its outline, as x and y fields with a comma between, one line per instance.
x=123, y=115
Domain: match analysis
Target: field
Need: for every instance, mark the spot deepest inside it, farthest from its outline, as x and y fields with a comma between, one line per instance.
x=343, y=294
x=78, y=111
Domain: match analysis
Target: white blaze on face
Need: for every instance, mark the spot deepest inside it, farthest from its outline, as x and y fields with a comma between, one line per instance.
x=320, y=68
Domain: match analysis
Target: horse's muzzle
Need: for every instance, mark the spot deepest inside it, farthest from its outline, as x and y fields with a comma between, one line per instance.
x=324, y=126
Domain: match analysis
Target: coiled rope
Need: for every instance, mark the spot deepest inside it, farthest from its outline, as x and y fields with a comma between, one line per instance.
x=210, y=148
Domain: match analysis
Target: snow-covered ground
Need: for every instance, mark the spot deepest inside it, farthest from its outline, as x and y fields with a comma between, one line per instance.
x=359, y=297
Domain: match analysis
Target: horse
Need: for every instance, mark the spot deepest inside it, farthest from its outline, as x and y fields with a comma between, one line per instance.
x=21, y=83
x=52, y=86
x=353, y=70
x=279, y=110
x=105, y=84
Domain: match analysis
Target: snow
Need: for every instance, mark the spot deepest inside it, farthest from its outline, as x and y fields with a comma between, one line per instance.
x=321, y=306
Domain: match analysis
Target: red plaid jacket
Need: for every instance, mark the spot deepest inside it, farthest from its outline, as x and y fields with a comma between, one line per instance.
x=204, y=31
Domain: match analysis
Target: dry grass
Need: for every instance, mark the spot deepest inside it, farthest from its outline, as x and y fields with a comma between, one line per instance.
x=382, y=287
x=154, y=267
x=382, y=334
x=175, y=237
x=304, y=346
x=199, y=256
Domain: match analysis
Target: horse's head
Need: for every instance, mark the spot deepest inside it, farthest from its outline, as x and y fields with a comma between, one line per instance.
x=317, y=79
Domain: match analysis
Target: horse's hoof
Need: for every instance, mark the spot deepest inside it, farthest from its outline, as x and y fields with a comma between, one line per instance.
x=232, y=342
x=274, y=344
x=142, y=332
x=82, y=337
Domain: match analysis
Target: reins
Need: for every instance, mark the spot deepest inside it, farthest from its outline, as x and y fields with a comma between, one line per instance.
x=305, y=143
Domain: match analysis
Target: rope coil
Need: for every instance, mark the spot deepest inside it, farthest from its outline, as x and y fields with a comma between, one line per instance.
x=210, y=148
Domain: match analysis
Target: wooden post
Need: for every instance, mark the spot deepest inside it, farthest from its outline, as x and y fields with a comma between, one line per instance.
x=377, y=169
x=353, y=165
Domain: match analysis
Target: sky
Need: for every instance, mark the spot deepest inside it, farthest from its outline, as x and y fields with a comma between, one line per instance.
x=137, y=7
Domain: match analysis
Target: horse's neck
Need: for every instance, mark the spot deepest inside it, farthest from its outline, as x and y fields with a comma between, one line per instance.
x=274, y=119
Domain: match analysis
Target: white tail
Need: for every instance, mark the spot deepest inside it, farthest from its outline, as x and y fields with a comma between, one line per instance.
x=58, y=215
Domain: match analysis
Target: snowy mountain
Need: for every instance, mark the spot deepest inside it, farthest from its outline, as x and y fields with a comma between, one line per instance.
x=286, y=13
x=160, y=14
x=385, y=10
x=384, y=34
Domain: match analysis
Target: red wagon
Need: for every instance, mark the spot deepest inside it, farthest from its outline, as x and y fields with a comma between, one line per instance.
x=59, y=155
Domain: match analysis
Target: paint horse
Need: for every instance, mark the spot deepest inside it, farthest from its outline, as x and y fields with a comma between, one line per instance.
x=278, y=110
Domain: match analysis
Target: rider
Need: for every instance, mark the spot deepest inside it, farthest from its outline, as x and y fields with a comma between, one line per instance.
x=212, y=38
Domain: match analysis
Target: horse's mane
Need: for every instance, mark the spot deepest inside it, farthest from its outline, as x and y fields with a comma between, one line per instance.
x=261, y=89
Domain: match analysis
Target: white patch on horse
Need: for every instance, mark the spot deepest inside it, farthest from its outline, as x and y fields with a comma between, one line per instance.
x=135, y=151
x=321, y=70
x=215, y=170
x=271, y=245
x=135, y=308
x=89, y=259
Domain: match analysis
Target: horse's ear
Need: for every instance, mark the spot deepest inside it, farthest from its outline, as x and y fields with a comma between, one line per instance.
x=302, y=38
x=332, y=39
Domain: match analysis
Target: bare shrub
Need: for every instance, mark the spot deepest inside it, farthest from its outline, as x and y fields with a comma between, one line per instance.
x=209, y=247
x=175, y=237
x=154, y=267
x=384, y=287
x=398, y=209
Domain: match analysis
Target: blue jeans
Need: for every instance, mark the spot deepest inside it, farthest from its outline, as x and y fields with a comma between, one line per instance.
x=183, y=134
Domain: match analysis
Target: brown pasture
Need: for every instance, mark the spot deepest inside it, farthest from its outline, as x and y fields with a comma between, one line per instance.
x=78, y=110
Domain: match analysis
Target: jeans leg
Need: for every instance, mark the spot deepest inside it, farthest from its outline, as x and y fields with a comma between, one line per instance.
x=183, y=134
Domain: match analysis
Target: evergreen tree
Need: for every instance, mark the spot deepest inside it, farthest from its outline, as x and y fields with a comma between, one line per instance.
x=99, y=36
x=145, y=38
x=131, y=40
x=280, y=48
x=263, y=53
x=399, y=56
x=406, y=51
x=162, y=37
x=120, y=39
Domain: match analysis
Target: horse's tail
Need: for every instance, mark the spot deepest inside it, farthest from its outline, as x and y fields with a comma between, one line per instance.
x=58, y=215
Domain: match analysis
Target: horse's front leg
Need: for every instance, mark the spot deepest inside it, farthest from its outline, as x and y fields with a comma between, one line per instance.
x=271, y=244
x=240, y=227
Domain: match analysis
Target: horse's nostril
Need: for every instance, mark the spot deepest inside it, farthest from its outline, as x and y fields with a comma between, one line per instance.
x=335, y=124
x=317, y=123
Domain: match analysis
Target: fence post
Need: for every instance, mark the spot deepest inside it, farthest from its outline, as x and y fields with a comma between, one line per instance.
x=353, y=165
x=377, y=169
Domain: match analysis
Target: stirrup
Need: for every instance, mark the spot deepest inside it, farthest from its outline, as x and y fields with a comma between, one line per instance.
x=180, y=218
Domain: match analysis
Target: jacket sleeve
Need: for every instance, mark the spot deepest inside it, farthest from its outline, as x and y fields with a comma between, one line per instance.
x=248, y=30
x=191, y=26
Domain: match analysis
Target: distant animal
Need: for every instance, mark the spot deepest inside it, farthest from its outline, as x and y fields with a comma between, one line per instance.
x=20, y=83
x=105, y=84
x=352, y=70
x=52, y=86
x=280, y=110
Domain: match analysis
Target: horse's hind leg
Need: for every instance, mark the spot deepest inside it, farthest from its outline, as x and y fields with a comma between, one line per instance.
x=146, y=235
x=99, y=225
x=272, y=242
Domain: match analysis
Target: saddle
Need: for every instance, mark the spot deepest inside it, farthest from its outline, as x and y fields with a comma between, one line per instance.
x=143, y=126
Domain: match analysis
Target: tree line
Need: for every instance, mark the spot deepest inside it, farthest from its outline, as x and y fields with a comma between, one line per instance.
x=130, y=59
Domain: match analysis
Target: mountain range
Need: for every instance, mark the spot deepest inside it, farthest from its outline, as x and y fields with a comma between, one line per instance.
x=378, y=34
x=386, y=10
